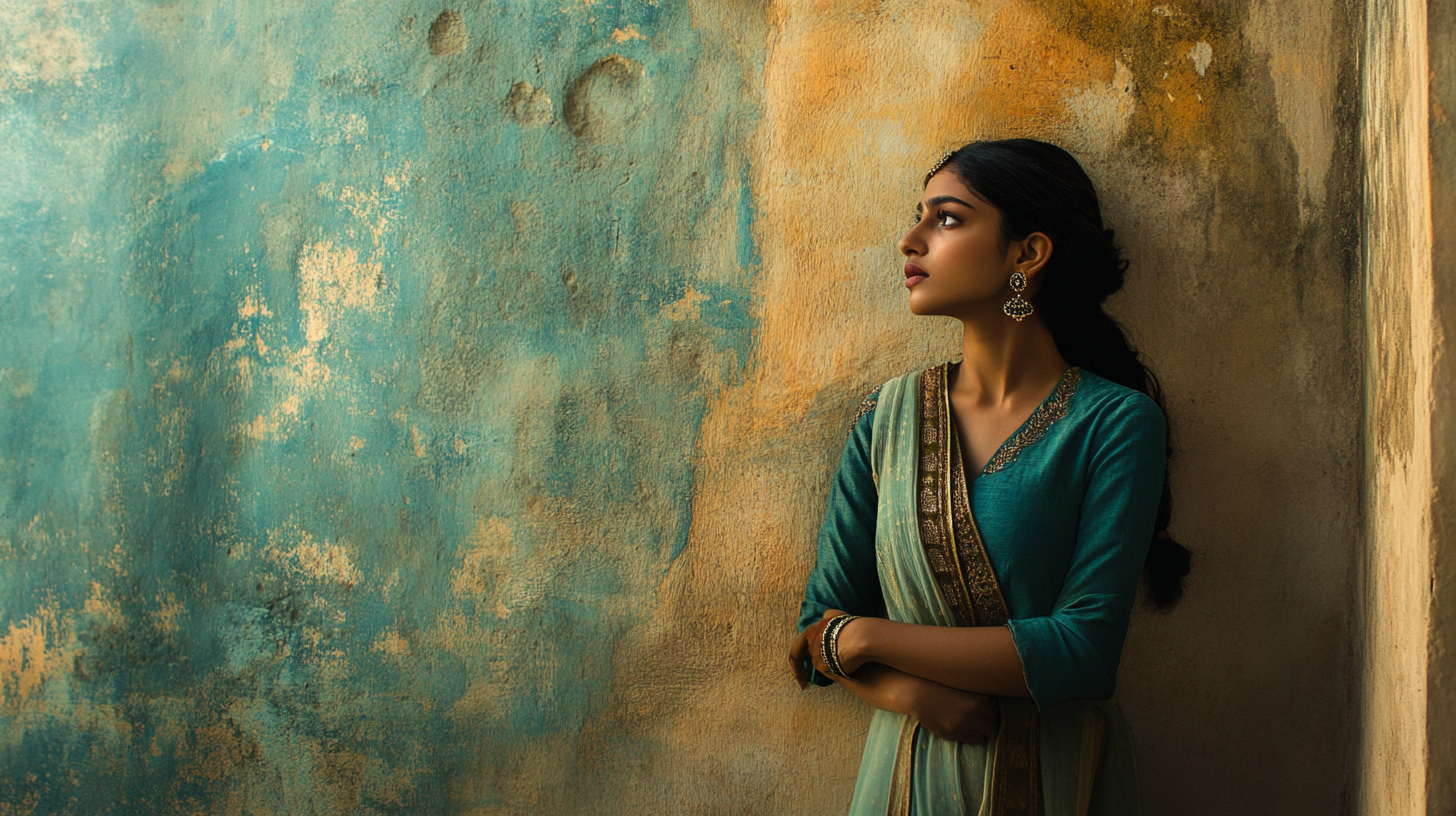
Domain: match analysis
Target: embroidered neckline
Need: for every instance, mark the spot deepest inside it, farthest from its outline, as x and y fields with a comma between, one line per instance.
x=865, y=406
x=1051, y=409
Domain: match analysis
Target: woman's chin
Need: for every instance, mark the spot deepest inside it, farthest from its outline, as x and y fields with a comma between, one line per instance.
x=959, y=305
x=923, y=304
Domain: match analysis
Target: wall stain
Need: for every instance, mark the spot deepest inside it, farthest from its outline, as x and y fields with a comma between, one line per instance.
x=447, y=34
x=605, y=99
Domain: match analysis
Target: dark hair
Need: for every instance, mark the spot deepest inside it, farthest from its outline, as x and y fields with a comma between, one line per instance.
x=1039, y=187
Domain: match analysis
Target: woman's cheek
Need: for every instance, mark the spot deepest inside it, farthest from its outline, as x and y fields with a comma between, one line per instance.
x=930, y=296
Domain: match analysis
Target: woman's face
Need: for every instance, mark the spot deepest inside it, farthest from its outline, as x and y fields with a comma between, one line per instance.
x=955, y=264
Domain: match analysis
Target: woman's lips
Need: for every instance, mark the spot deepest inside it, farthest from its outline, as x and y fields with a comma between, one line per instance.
x=914, y=275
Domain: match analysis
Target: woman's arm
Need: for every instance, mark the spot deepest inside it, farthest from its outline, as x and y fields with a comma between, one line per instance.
x=981, y=659
x=946, y=712
x=845, y=575
x=951, y=714
x=1072, y=652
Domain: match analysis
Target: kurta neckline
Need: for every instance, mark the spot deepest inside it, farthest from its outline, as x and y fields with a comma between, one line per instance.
x=1052, y=408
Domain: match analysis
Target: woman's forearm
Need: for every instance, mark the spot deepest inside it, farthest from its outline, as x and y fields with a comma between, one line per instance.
x=946, y=712
x=885, y=688
x=981, y=659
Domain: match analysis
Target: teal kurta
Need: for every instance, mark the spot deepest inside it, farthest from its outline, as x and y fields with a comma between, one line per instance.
x=1065, y=511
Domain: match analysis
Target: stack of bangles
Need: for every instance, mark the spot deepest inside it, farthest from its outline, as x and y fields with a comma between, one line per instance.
x=829, y=648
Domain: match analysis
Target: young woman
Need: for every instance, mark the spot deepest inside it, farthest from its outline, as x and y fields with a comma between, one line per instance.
x=991, y=517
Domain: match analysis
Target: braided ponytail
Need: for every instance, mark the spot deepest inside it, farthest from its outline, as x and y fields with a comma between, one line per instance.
x=1039, y=187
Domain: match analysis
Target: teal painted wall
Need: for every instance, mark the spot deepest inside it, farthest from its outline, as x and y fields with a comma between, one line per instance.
x=405, y=411
x=354, y=366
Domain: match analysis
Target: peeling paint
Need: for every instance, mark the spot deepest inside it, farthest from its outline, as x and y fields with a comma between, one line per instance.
x=27, y=656
x=1202, y=54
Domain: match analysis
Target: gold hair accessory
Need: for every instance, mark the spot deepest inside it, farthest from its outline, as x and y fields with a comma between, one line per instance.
x=940, y=163
x=1016, y=308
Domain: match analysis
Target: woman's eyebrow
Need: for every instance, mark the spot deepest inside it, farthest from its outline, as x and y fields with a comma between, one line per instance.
x=938, y=200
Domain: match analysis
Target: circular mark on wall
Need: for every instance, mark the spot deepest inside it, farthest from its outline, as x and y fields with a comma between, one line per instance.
x=529, y=106
x=605, y=98
x=447, y=34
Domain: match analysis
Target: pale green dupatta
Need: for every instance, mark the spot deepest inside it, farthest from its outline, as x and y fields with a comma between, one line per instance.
x=934, y=570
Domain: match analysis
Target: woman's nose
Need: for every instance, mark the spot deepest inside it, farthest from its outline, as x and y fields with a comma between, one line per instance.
x=909, y=243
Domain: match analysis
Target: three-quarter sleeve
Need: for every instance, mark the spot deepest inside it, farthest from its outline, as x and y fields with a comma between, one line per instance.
x=1073, y=653
x=844, y=575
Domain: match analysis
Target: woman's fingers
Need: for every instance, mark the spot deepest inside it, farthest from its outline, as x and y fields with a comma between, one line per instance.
x=814, y=644
x=807, y=650
x=815, y=636
x=814, y=639
x=798, y=657
x=848, y=657
x=961, y=716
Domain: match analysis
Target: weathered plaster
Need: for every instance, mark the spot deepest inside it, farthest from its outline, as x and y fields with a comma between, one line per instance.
x=1402, y=407
x=429, y=413
x=350, y=416
x=1441, y=648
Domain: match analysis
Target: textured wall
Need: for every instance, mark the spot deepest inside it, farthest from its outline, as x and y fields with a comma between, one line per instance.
x=1395, y=590
x=409, y=411
x=1441, y=648
x=1407, y=664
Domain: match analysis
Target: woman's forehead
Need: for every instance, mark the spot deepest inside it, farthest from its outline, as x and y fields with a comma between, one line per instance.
x=946, y=183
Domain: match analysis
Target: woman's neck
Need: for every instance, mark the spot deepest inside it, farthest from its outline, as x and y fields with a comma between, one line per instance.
x=1002, y=357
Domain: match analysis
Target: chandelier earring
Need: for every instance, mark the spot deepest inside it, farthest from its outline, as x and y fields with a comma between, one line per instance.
x=1017, y=308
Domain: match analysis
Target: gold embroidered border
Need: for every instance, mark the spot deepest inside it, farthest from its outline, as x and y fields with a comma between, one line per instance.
x=902, y=778
x=988, y=606
x=1015, y=777
x=962, y=569
x=865, y=406
x=932, y=496
x=1051, y=410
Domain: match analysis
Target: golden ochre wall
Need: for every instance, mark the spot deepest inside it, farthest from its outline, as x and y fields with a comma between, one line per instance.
x=1395, y=586
x=414, y=409
x=1406, y=681
x=1232, y=183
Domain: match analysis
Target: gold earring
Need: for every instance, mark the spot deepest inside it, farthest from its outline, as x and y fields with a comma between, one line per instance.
x=1016, y=308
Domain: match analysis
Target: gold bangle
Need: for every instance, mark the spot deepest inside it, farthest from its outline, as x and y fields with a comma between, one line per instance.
x=831, y=645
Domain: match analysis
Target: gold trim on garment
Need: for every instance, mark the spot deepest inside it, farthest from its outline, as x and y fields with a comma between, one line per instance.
x=988, y=606
x=1015, y=777
x=865, y=406
x=962, y=569
x=938, y=445
x=1051, y=409
x=902, y=778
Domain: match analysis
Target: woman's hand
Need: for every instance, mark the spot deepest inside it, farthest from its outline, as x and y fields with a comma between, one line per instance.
x=955, y=715
x=807, y=648
x=851, y=648
x=948, y=713
x=979, y=659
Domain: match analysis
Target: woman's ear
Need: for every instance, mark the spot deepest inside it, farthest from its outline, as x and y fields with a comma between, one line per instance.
x=1032, y=253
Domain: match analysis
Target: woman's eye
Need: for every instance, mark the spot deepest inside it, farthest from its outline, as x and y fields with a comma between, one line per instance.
x=945, y=219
